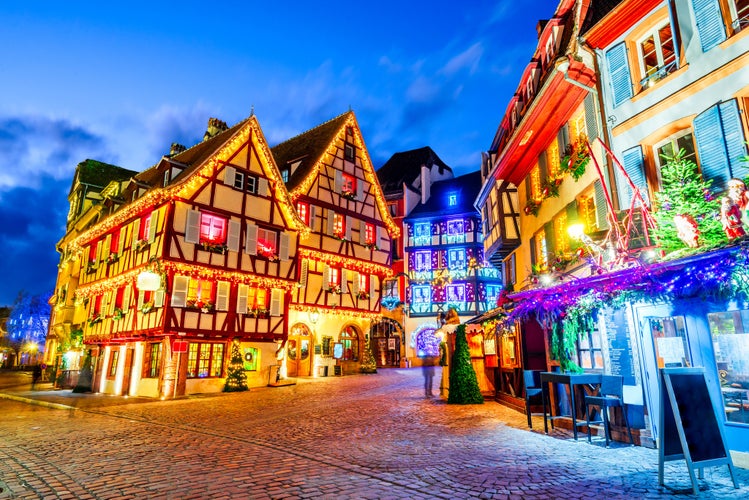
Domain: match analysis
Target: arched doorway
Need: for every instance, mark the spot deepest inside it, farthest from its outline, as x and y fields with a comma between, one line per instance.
x=424, y=341
x=387, y=340
x=349, y=337
x=298, y=351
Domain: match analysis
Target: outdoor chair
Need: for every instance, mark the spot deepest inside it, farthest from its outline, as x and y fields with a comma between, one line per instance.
x=611, y=396
x=532, y=383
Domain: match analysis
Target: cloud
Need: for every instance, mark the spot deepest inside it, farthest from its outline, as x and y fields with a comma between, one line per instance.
x=468, y=59
x=183, y=125
x=32, y=220
x=34, y=146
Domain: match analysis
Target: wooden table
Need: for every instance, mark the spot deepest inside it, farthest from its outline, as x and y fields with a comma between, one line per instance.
x=571, y=380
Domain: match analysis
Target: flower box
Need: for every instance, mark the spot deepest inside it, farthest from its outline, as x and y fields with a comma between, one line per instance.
x=141, y=245
x=220, y=248
x=349, y=195
x=112, y=258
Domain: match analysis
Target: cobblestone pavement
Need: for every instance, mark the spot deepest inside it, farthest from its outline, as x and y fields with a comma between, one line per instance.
x=360, y=436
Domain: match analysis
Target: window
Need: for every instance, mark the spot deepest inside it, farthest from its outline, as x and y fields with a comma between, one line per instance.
x=97, y=309
x=114, y=242
x=423, y=261
x=657, y=56
x=456, y=259
x=393, y=209
x=152, y=361
x=199, y=293
x=348, y=185
x=334, y=277
x=535, y=183
x=586, y=211
x=455, y=231
x=589, y=355
x=266, y=242
x=339, y=226
x=671, y=344
x=93, y=252
x=251, y=184
x=212, y=229
x=205, y=360
x=422, y=233
x=552, y=161
x=369, y=234
x=455, y=294
x=538, y=248
x=492, y=295
x=145, y=227
x=363, y=282
x=239, y=180
x=285, y=172
x=452, y=199
x=730, y=334
x=303, y=211
x=561, y=237
x=115, y=356
x=719, y=135
x=673, y=145
x=508, y=270
x=422, y=294
x=349, y=152
x=257, y=299
x=739, y=14
x=350, y=341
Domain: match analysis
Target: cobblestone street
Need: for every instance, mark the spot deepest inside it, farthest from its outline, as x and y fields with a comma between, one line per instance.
x=360, y=436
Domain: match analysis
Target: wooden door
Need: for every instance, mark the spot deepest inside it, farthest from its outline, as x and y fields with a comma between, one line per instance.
x=299, y=352
x=128, y=375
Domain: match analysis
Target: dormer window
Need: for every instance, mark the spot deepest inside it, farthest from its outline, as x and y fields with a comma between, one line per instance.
x=285, y=173
x=238, y=180
x=452, y=199
x=349, y=152
x=303, y=211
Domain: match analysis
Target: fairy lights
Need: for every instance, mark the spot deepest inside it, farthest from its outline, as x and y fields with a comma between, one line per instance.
x=339, y=312
x=337, y=260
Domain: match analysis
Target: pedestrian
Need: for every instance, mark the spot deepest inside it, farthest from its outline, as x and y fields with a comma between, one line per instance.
x=427, y=368
x=36, y=374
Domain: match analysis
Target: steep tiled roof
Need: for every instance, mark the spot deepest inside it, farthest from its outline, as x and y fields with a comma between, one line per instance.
x=308, y=147
x=406, y=167
x=96, y=173
x=466, y=188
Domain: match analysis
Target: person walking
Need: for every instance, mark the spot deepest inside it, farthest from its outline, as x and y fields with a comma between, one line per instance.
x=36, y=375
x=427, y=368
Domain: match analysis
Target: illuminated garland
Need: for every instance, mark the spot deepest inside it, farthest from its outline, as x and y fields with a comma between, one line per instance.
x=345, y=262
x=336, y=312
x=188, y=186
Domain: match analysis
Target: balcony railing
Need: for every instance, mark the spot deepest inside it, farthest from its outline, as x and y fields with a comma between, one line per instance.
x=658, y=75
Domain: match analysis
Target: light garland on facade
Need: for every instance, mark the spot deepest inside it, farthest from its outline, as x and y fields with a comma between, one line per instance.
x=345, y=262
x=336, y=312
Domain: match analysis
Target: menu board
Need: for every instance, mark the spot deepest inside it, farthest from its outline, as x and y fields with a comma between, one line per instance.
x=619, y=343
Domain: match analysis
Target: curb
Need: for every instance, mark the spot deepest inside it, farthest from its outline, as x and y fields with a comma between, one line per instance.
x=56, y=406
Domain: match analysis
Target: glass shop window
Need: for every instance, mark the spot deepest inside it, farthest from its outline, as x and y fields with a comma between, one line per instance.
x=730, y=334
x=671, y=343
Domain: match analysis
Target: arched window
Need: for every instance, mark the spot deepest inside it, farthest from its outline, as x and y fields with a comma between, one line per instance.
x=350, y=339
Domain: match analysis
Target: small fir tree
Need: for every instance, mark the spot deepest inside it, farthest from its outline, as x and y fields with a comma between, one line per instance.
x=684, y=192
x=236, y=378
x=86, y=375
x=368, y=364
x=464, y=387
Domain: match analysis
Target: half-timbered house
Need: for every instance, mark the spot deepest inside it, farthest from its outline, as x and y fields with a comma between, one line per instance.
x=202, y=254
x=347, y=255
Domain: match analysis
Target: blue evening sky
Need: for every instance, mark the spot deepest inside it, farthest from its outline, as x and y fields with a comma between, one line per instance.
x=120, y=81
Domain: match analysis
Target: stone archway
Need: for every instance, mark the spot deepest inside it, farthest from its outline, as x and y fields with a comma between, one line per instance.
x=387, y=342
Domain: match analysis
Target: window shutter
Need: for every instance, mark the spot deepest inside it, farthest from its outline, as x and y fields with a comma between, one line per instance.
x=543, y=167
x=312, y=216
x=141, y=299
x=362, y=232
x=551, y=247
x=338, y=181
x=222, y=296
x=331, y=222
x=360, y=189
x=355, y=282
x=572, y=218
x=242, y=292
x=532, y=246
x=373, y=285
x=179, y=292
x=276, y=302
x=112, y=302
x=344, y=280
x=621, y=85
x=104, y=305
x=563, y=139
x=602, y=210
x=303, y=272
x=154, y=225
x=349, y=223
x=229, y=173
x=121, y=241
x=708, y=135
x=634, y=164
x=232, y=236
x=250, y=244
x=126, y=298
x=734, y=137
x=136, y=230
x=709, y=23
x=192, y=226
x=262, y=186
x=158, y=298
x=107, y=246
x=326, y=276
x=591, y=117
x=283, y=247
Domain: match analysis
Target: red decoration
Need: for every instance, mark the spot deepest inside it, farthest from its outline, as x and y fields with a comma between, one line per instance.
x=686, y=230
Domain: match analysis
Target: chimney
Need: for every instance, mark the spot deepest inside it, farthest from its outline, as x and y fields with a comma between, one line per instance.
x=426, y=183
x=176, y=149
x=215, y=127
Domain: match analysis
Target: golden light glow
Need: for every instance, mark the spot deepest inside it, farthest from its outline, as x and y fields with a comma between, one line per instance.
x=339, y=312
x=337, y=260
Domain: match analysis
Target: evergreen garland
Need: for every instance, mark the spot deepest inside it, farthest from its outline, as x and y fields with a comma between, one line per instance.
x=684, y=192
x=464, y=387
x=236, y=378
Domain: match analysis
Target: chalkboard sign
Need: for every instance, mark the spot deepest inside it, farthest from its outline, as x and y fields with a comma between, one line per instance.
x=619, y=344
x=337, y=370
x=690, y=427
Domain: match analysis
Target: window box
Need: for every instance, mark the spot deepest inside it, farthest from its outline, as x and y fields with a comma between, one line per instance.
x=371, y=245
x=141, y=245
x=206, y=307
x=112, y=258
x=362, y=296
x=334, y=288
x=118, y=314
x=258, y=313
x=267, y=253
x=349, y=195
x=95, y=318
x=219, y=248
x=91, y=267
x=147, y=307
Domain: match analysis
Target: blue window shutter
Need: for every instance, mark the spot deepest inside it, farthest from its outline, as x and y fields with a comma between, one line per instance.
x=634, y=164
x=602, y=208
x=733, y=134
x=591, y=119
x=621, y=85
x=708, y=134
x=709, y=23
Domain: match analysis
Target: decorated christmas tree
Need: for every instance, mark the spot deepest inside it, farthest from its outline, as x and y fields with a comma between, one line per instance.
x=86, y=375
x=236, y=378
x=368, y=364
x=464, y=387
x=687, y=214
